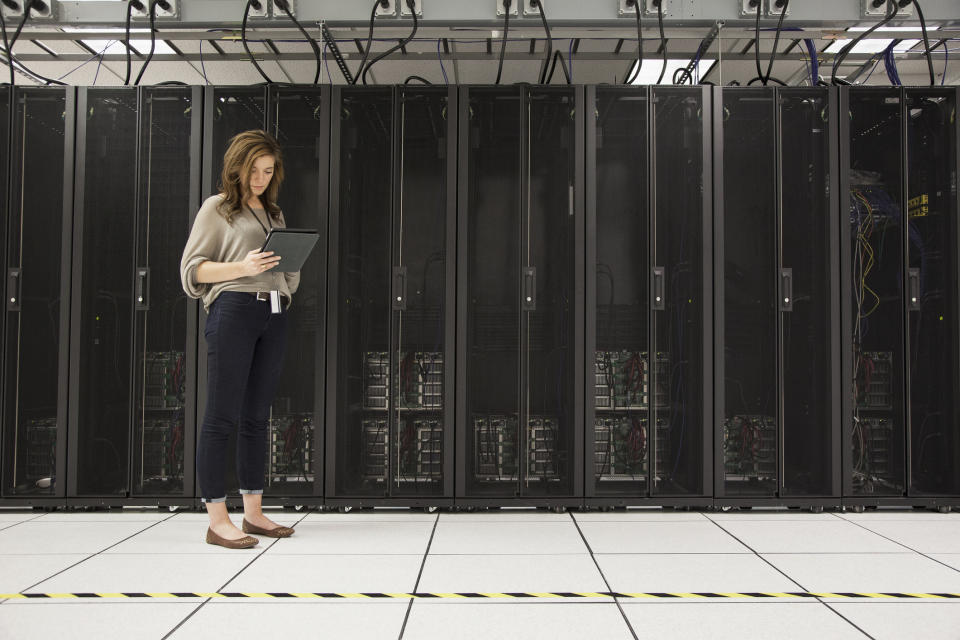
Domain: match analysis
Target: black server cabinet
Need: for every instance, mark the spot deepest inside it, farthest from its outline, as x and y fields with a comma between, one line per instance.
x=648, y=250
x=777, y=319
x=899, y=244
x=390, y=405
x=520, y=296
x=298, y=117
x=132, y=342
x=37, y=290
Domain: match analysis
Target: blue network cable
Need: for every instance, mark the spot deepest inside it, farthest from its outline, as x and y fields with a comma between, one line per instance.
x=814, y=62
x=445, y=80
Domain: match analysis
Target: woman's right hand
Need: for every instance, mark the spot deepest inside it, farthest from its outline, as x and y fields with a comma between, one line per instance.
x=256, y=262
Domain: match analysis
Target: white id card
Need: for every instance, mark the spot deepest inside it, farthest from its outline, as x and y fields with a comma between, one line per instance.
x=274, y=302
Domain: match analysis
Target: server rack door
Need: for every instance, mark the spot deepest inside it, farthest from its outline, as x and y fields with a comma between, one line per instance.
x=103, y=285
x=6, y=105
x=490, y=279
x=36, y=295
x=676, y=384
x=875, y=219
x=932, y=250
x=358, y=450
x=301, y=126
x=420, y=429
x=806, y=291
x=750, y=426
x=549, y=257
x=228, y=111
x=618, y=266
x=162, y=420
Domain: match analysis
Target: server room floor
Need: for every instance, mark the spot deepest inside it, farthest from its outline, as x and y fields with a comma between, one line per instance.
x=519, y=574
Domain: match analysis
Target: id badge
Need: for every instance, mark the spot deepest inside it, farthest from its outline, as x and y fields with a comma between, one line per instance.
x=275, y=302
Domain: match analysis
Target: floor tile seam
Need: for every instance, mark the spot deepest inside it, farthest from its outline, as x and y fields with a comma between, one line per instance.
x=94, y=555
x=416, y=584
x=260, y=553
x=275, y=553
x=258, y=556
x=781, y=572
x=187, y=617
x=752, y=552
x=19, y=522
x=762, y=559
x=616, y=600
x=920, y=553
x=46, y=555
x=846, y=619
x=497, y=553
x=371, y=524
x=212, y=552
x=247, y=565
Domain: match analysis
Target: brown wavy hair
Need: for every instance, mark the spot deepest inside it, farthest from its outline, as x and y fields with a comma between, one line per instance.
x=244, y=150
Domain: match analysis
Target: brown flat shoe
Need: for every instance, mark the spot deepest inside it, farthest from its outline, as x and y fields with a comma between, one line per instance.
x=276, y=532
x=243, y=543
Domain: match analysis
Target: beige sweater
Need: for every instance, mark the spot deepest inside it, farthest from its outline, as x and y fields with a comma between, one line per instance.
x=213, y=238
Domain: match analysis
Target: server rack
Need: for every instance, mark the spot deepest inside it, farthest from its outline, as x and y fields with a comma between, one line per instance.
x=648, y=250
x=390, y=373
x=776, y=323
x=298, y=117
x=520, y=292
x=900, y=298
x=132, y=344
x=37, y=251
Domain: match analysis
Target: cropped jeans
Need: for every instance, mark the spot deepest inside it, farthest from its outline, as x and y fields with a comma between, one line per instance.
x=245, y=348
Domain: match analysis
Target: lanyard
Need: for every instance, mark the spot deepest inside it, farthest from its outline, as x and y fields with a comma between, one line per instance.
x=255, y=217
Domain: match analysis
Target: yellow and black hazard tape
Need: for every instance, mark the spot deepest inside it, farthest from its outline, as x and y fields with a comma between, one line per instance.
x=470, y=595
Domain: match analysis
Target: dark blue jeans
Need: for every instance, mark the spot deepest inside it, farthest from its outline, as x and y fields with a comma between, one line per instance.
x=245, y=346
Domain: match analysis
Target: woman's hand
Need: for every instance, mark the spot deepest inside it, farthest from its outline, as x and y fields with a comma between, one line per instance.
x=256, y=263
x=253, y=265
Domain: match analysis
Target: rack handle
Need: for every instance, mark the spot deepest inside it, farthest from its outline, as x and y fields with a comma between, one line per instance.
x=13, y=289
x=142, y=291
x=529, y=302
x=786, y=289
x=913, y=289
x=400, y=288
x=659, y=289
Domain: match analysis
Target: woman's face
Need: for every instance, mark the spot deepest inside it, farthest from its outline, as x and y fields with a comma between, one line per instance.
x=261, y=174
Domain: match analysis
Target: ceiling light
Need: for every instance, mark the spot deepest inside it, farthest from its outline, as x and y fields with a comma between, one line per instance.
x=917, y=29
x=869, y=45
x=116, y=47
x=650, y=70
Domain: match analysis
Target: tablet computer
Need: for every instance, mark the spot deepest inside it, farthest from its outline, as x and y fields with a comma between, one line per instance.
x=292, y=245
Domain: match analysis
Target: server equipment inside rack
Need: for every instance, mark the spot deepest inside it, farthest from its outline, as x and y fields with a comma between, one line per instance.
x=900, y=219
x=37, y=310
x=165, y=319
x=519, y=289
x=777, y=398
x=131, y=347
x=104, y=253
x=390, y=426
x=646, y=299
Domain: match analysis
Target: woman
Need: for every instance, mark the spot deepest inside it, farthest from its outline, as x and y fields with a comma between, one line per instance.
x=222, y=264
